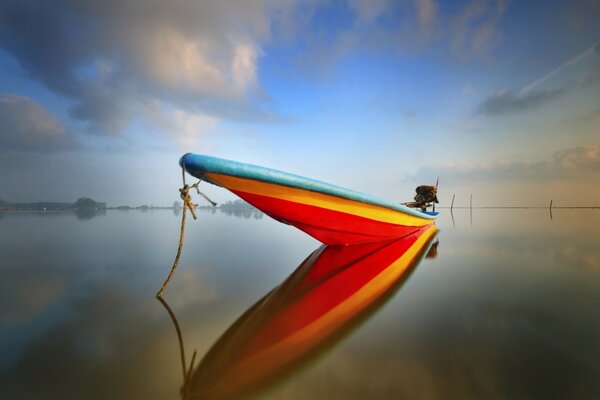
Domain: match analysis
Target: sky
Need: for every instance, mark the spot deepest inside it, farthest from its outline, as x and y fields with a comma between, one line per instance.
x=500, y=99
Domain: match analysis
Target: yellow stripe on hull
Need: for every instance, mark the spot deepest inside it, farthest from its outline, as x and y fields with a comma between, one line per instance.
x=307, y=197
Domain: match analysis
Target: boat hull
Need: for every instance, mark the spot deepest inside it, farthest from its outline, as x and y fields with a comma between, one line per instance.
x=332, y=215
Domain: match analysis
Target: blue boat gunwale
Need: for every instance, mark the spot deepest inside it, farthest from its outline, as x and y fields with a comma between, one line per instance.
x=198, y=165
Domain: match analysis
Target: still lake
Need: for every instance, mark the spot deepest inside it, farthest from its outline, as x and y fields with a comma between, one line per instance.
x=509, y=308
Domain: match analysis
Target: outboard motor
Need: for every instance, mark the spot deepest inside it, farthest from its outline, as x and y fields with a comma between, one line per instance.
x=425, y=195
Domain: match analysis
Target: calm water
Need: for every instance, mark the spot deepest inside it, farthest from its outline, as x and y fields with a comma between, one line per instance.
x=509, y=308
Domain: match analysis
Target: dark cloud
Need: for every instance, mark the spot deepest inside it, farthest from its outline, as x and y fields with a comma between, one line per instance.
x=113, y=58
x=27, y=126
x=567, y=164
x=505, y=102
x=116, y=59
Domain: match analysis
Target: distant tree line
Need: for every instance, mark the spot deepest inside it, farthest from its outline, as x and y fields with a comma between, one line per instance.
x=240, y=208
x=236, y=205
x=83, y=203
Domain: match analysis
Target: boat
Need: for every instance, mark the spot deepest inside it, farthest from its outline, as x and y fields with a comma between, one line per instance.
x=331, y=292
x=329, y=213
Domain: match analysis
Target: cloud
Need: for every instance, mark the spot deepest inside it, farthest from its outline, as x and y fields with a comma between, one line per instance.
x=567, y=164
x=585, y=158
x=368, y=11
x=474, y=30
x=402, y=27
x=182, y=126
x=112, y=58
x=567, y=77
x=506, y=102
x=27, y=126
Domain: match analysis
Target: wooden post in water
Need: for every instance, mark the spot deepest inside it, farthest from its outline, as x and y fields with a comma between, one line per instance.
x=452, y=204
x=550, y=209
x=471, y=209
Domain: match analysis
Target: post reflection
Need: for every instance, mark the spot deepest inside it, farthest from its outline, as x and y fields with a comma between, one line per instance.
x=330, y=293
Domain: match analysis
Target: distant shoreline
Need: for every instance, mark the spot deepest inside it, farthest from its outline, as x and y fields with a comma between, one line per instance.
x=85, y=204
x=149, y=208
x=81, y=204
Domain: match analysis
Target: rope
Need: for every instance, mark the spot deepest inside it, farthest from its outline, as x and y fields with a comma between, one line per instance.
x=187, y=371
x=187, y=200
x=184, y=194
x=179, y=336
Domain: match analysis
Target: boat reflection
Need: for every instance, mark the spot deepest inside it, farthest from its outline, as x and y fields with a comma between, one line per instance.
x=332, y=291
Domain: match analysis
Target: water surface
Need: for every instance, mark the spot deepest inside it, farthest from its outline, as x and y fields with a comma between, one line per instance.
x=507, y=309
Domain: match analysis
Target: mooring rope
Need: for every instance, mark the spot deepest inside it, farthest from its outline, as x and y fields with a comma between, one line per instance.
x=187, y=371
x=184, y=194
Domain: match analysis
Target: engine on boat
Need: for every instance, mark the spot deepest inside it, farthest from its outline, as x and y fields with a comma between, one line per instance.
x=426, y=196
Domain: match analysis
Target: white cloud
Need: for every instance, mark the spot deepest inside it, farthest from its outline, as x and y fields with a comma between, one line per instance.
x=111, y=58
x=244, y=68
x=184, y=127
x=27, y=126
x=367, y=11
x=574, y=164
x=188, y=127
x=179, y=63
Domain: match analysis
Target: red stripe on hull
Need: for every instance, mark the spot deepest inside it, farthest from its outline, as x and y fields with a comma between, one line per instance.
x=328, y=226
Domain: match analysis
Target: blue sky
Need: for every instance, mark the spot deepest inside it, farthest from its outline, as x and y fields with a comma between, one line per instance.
x=499, y=98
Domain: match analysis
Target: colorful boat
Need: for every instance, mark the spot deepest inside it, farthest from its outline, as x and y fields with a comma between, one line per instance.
x=325, y=298
x=329, y=213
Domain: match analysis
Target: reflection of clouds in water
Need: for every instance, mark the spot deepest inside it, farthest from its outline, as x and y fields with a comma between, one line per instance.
x=409, y=378
x=190, y=289
x=588, y=258
x=544, y=250
x=115, y=343
x=109, y=347
x=26, y=292
x=500, y=313
x=508, y=316
x=477, y=350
